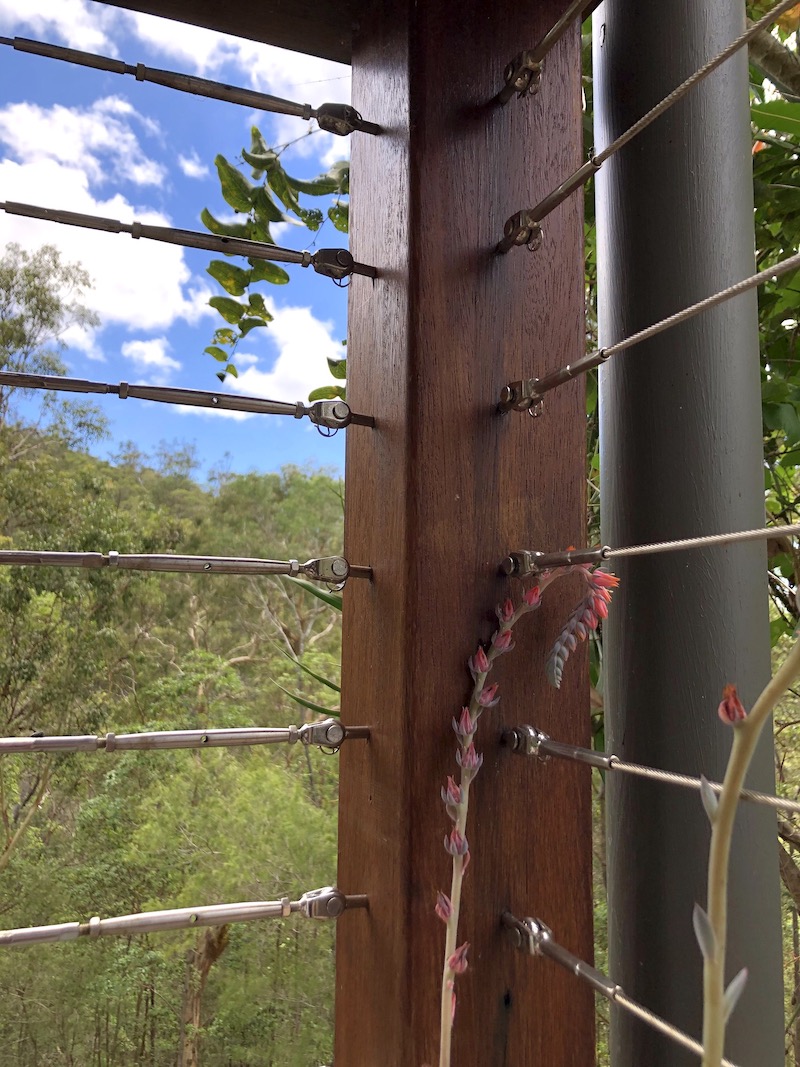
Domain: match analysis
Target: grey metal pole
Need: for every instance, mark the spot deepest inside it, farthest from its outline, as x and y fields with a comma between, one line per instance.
x=681, y=454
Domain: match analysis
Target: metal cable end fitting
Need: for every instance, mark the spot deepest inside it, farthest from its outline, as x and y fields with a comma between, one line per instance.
x=525, y=741
x=329, y=903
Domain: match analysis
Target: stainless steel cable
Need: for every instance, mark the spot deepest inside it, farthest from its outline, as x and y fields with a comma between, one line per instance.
x=525, y=227
x=522, y=563
x=333, y=570
x=340, y=119
x=326, y=903
x=327, y=733
x=331, y=414
x=527, y=394
x=336, y=263
x=533, y=937
x=528, y=741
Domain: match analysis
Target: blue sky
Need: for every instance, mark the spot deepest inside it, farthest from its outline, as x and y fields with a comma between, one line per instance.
x=99, y=143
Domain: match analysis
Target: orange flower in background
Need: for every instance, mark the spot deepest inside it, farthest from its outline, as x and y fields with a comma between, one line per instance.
x=759, y=146
x=789, y=20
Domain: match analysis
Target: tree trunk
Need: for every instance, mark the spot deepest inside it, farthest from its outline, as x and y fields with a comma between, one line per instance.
x=211, y=944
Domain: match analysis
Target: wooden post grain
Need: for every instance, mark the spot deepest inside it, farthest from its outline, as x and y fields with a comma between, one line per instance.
x=437, y=494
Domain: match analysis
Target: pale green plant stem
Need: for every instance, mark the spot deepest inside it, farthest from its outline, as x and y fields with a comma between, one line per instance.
x=745, y=738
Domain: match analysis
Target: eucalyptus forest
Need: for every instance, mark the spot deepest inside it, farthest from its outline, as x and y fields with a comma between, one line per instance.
x=111, y=834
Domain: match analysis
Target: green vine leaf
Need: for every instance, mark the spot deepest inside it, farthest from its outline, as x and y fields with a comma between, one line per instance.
x=224, y=229
x=237, y=190
x=338, y=368
x=328, y=392
x=231, y=310
x=233, y=279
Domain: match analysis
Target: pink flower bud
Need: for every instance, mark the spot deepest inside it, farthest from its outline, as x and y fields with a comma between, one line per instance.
x=465, y=726
x=458, y=961
x=487, y=698
x=478, y=664
x=532, y=596
x=455, y=843
x=444, y=909
x=469, y=761
x=590, y=619
x=731, y=709
x=451, y=795
x=503, y=641
x=505, y=611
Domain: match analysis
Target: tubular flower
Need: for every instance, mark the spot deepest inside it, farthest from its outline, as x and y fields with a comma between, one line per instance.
x=505, y=611
x=731, y=710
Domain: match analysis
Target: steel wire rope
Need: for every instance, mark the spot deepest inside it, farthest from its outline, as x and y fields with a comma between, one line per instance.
x=522, y=228
x=528, y=741
x=526, y=562
x=527, y=394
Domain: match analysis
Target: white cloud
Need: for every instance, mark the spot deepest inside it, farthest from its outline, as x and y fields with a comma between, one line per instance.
x=303, y=343
x=192, y=166
x=136, y=283
x=97, y=139
x=151, y=357
x=78, y=23
x=276, y=71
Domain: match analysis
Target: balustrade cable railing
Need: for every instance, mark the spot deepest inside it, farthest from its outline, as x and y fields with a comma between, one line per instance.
x=324, y=414
x=335, y=263
x=526, y=562
x=536, y=939
x=341, y=119
x=328, y=734
x=525, y=227
x=332, y=570
x=527, y=394
x=528, y=741
x=325, y=903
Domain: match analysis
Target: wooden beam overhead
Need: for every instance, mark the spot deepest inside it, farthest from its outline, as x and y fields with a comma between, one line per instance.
x=314, y=27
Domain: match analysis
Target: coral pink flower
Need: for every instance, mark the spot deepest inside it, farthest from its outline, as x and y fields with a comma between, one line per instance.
x=603, y=578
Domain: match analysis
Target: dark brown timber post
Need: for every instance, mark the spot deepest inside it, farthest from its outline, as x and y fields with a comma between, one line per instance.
x=437, y=495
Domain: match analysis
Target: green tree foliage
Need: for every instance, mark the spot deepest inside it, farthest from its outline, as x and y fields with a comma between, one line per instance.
x=83, y=835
